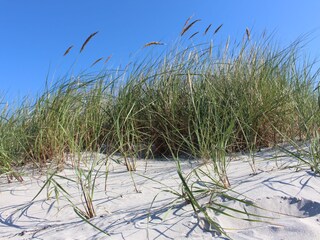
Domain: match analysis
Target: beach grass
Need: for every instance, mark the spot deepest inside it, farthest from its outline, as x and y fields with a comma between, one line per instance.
x=200, y=100
x=196, y=100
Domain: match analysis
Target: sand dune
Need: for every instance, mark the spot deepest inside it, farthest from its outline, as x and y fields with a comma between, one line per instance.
x=288, y=200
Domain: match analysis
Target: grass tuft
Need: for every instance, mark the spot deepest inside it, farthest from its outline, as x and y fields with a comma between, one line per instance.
x=198, y=101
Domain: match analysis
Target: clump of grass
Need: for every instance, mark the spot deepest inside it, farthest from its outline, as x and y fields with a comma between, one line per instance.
x=307, y=152
x=199, y=184
x=69, y=116
x=308, y=155
x=86, y=172
x=202, y=101
x=199, y=101
x=85, y=179
x=12, y=140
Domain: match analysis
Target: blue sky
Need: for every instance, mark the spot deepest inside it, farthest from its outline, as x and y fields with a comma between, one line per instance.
x=35, y=33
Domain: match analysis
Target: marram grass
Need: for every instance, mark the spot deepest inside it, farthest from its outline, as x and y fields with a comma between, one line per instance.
x=199, y=101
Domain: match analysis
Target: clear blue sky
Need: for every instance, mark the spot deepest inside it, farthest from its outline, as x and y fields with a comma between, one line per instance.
x=35, y=33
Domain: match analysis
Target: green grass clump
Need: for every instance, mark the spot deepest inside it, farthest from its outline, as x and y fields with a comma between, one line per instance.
x=202, y=101
x=199, y=101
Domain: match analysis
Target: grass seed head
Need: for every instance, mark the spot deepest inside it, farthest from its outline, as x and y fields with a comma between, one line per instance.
x=95, y=62
x=207, y=29
x=153, y=43
x=193, y=35
x=248, y=33
x=186, y=28
x=87, y=40
x=68, y=50
x=217, y=29
x=108, y=58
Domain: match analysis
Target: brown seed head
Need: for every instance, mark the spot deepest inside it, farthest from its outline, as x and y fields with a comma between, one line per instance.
x=186, y=28
x=153, y=43
x=95, y=62
x=108, y=58
x=68, y=50
x=193, y=35
x=87, y=40
x=248, y=33
x=218, y=28
x=207, y=29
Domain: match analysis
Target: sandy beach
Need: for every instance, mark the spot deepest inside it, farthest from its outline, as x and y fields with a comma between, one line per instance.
x=137, y=205
x=126, y=120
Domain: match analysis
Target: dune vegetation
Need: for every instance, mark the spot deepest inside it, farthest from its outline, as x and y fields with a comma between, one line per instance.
x=201, y=101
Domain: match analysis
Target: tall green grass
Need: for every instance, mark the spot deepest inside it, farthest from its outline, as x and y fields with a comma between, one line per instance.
x=203, y=101
x=200, y=101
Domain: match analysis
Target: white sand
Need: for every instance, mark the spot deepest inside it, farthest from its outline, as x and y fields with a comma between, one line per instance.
x=124, y=213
